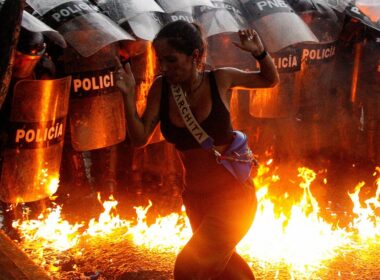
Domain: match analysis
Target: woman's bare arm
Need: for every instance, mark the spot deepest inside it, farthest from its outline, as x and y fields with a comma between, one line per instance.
x=139, y=128
x=234, y=78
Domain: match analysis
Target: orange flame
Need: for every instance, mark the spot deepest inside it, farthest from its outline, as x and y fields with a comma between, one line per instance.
x=143, y=89
x=366, y=221
x=50, y=231
x=168, y=233
x=300, y=239
x=107, y=220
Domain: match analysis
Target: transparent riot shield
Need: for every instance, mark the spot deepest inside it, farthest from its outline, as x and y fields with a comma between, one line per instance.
x=367, y=97
x=274, y=109
x=220, y=24
x=367, y=11
x=96, y=104
x=317, y=103
x=174, y=6
x=81, y=23
x=145, y=25
x=225, y=16
x=33, y=24
x=186, y=14
x=124, y=10
x=277, y=24
x=283, y=100
x=223, y=53
x=323, y=20
x=371, y=8
x=141, y=17
x=181, y=9
x=32, y=157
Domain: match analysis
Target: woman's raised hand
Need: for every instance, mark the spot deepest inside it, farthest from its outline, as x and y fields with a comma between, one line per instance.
x=124, y=78
x=250, y=42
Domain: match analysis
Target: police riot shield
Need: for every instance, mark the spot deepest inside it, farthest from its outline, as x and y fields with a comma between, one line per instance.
x=274, y=109
x=225, y=16
x=33, y=24
x=371, y=8
x=277, y=24
x=362, y=78
x=181, y=9
x=81, y=23
x=366, y=11
x=221, y=24
x=31, y=159
x=96, y=104
x=140, y=22
x=324, y=21
x=367, y=95
x=317, y=104
x=141, y=17
x=223, y=53
x=174, y=6
x=282, y=101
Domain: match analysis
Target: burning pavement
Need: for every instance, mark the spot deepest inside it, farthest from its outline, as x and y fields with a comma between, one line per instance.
x=298, y=234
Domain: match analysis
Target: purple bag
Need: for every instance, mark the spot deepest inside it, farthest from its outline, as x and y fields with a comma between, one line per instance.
x=238, y=158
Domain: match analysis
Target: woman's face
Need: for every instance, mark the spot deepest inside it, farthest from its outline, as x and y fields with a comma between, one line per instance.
x=176, y=66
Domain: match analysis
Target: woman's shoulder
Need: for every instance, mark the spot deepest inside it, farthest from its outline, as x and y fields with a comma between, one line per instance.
x=158, y=79
x=157, y=83
x=157, y=87
x=224, y=70
x=223, y=76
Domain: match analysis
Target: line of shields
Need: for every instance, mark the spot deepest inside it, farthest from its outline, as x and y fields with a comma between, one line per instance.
x=326, y=51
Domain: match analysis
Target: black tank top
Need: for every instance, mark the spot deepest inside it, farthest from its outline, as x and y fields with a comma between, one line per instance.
x=217, y=124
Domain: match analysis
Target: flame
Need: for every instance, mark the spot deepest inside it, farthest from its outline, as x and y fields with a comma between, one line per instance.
x=301, y=239
x=366, y=221
x=49, y=180
x=298, y=238
x=50, y=231
x=168, y=233
x=107, y=221
x=143, y=89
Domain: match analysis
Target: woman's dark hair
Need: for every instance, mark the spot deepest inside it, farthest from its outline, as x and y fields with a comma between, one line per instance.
x=184, y=37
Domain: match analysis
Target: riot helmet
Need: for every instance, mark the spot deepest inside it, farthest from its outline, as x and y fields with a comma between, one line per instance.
x=30, y=48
